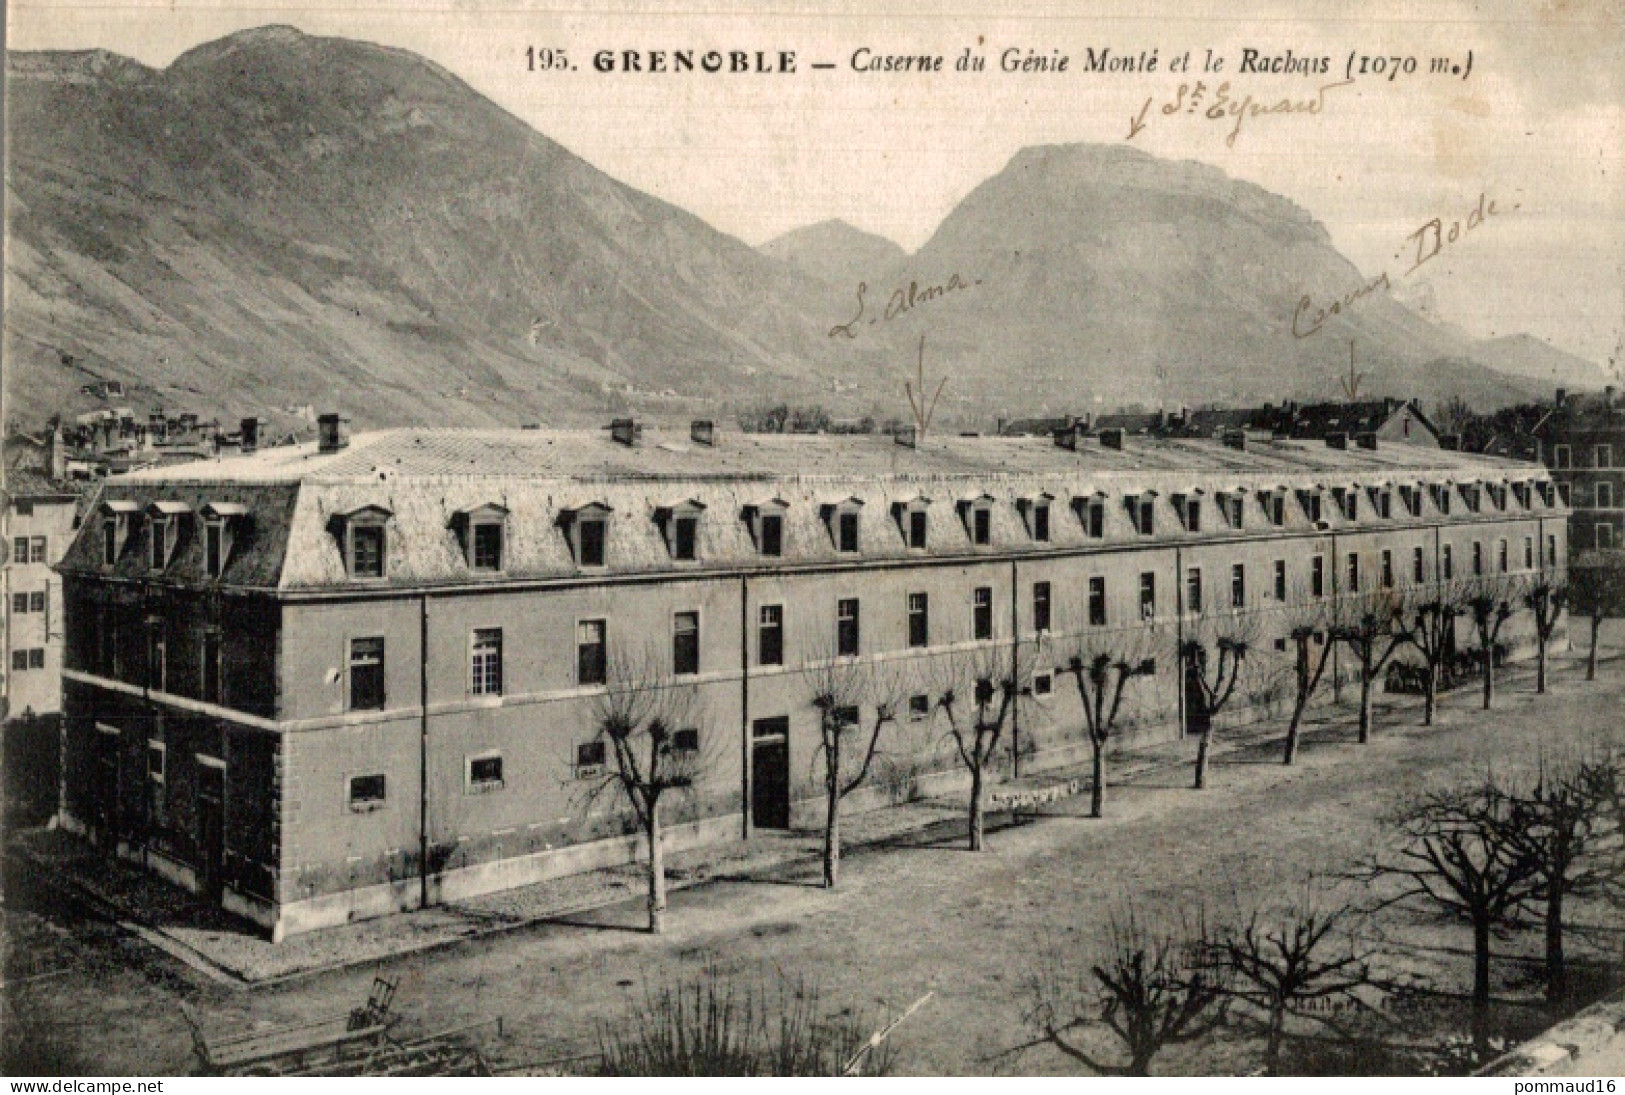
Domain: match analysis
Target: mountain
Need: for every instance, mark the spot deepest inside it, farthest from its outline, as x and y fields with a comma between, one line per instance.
x=1527, y=356
x=834, y=252
x=284, y=219
x=278, y=220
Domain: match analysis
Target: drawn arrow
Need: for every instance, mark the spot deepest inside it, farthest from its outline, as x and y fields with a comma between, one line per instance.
x=1137, y=124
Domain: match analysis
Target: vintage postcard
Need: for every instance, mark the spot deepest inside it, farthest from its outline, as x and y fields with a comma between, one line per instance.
x=658, y=539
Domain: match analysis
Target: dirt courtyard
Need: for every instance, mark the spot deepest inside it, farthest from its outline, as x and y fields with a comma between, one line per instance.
x=923, y=915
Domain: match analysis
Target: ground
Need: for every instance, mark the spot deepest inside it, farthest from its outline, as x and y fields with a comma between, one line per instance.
x=920, y=914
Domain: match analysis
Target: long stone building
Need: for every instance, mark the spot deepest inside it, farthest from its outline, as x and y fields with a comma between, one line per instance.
x=340, y=679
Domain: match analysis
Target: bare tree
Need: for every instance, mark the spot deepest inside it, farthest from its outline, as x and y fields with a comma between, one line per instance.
x=1429, y=627
x=652, y=727
x=1559, y=821
x=1458, y=859
x=1296, y=960
x=1370, y=626
x=1309, y=621
x=1597, y=590
x=1490, y=604
x=839, y=690
x=978, y=694
x=1103, y=664
x=1546, y=596
x=1153, y=986
x=1214, y=653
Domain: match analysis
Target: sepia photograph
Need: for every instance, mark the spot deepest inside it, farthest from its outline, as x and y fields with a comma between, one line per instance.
x=615, y=539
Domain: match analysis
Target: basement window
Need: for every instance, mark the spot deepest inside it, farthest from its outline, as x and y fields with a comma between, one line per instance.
x=482, y=773
x=365, y=792
x=590, y=757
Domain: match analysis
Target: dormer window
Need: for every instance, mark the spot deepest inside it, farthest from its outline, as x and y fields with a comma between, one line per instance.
x=1520, y=492
x=1310, y=500
x=977, y=514
x=117, y=517
x=1142, y=510
x=766, y=523
x=588, y=532
x=1091, y=512
x=1412, y=497
x=1441, y=498
x=1036, y=511
x=163, y=532
x=1547, y=493
x=482, y=530
x=1348, y=502
x=1382, y=502
x=1233, y=508
x=221, y=522
x=912, y=522
x=841, y=518
x=680, y=525
x=364, y=539
x=1472, y=495
x=1189, y=507
x=1274, y=504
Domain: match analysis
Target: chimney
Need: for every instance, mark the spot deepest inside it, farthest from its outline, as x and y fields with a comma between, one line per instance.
x=1337, y=440
x=1002, y=423
x=251, y=434
x=624, y=431
x=702, y=431
x=1608, y=398
x=1112, y=438
x=57, y=455
x=907, y=436
x=1366, y=441
x=1236, y=439
x=332, y=432
x=1562, y=397
x=1067, y=437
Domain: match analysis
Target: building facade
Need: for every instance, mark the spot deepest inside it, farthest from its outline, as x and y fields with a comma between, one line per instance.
x=338, y=680
x=1583, y=441
x=39, y=525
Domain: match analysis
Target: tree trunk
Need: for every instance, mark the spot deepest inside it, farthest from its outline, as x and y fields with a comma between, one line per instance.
x=1201, y=758
x=1481, y=965
x=1557, y=976
x=1489, y=675
x=1365, y=706
x=1272, y=1050
x=1097, y=793
x=1140, y=1064
x=976, y=808
x=657, y=872
x=1430, y=686
x=832, y=836
x=1540, y=663
x=1591, y=658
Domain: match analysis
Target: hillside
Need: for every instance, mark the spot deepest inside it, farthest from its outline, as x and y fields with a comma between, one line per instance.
x=278, y=219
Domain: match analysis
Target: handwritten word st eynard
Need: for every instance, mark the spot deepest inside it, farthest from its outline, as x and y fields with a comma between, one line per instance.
x=903, y=299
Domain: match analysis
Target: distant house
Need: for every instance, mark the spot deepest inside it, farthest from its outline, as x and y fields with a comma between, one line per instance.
x=1383, y=419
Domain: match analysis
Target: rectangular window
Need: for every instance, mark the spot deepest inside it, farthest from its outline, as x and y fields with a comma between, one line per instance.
x=848, y=634
x=157, y=755
x=1280, y=580
x=1529, y=553
x=916, y=529
x=1148, y=595
x=38, y=554
x=772, y=534
x=487, y=546
x=591, y=534
x=1097, y=602
x=19, y=548
x=366, y=792
x=590, y=757
x=848, y=540
x=1277, y=508
x=1449, y=563
x=1387, y=569
x=209, y=671
x=484, y=773
x=158, y=542
x=919, y=620
x=1193, y=516
x=1041, y=523
x=366, y=674
x=19, y=603
x=1551, y=551
x=1193, y=590
x=687, y=740
x=1605, y=537
x=36, y=658
x=1238, y=585
x=1478, y=559
x=1565, y=491
x=1501, y=558
x=19, y=661
x=982, y=613
x=770, y=635
x=1385, y=505
x=685, y=535
x=1605, y=456
x=1146, y=517
x=1043, y=683
x=1444, y=500
x=367, y=551
x=1238, y=511
x=1605, y=496
x=213, y=549
x=109, y=542
x=157, y=655
x=919, y=708
x=685, y=643
x=1351, y=505
x=1418, y=564
x=1094, y=520
x=1354, y=573
x=36, y=601
x=1317, y=576
x=1041, y=606
x=485, y=662
x=592, y=662
x=1560, y=455
x=981, y=525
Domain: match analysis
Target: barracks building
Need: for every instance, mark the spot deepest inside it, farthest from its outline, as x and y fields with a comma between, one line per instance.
x=335, y=680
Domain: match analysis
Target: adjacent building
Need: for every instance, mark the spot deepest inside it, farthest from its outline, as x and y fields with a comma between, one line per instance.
x=1582, y=439
x=340, y=679
x=39, y=525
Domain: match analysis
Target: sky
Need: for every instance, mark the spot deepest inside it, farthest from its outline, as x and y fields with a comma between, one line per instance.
x=1537, y=125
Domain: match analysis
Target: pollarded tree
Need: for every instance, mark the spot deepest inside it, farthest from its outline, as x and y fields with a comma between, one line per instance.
x=1546, y=596
x=1103, y=664
x=841, y=690
x=1428, y=626
x=652, y=726
x=1309, y=621
x=1213, y=655
x=1597, y=591
x=1490, y=603
x=1370, y=627
x=978, y=693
